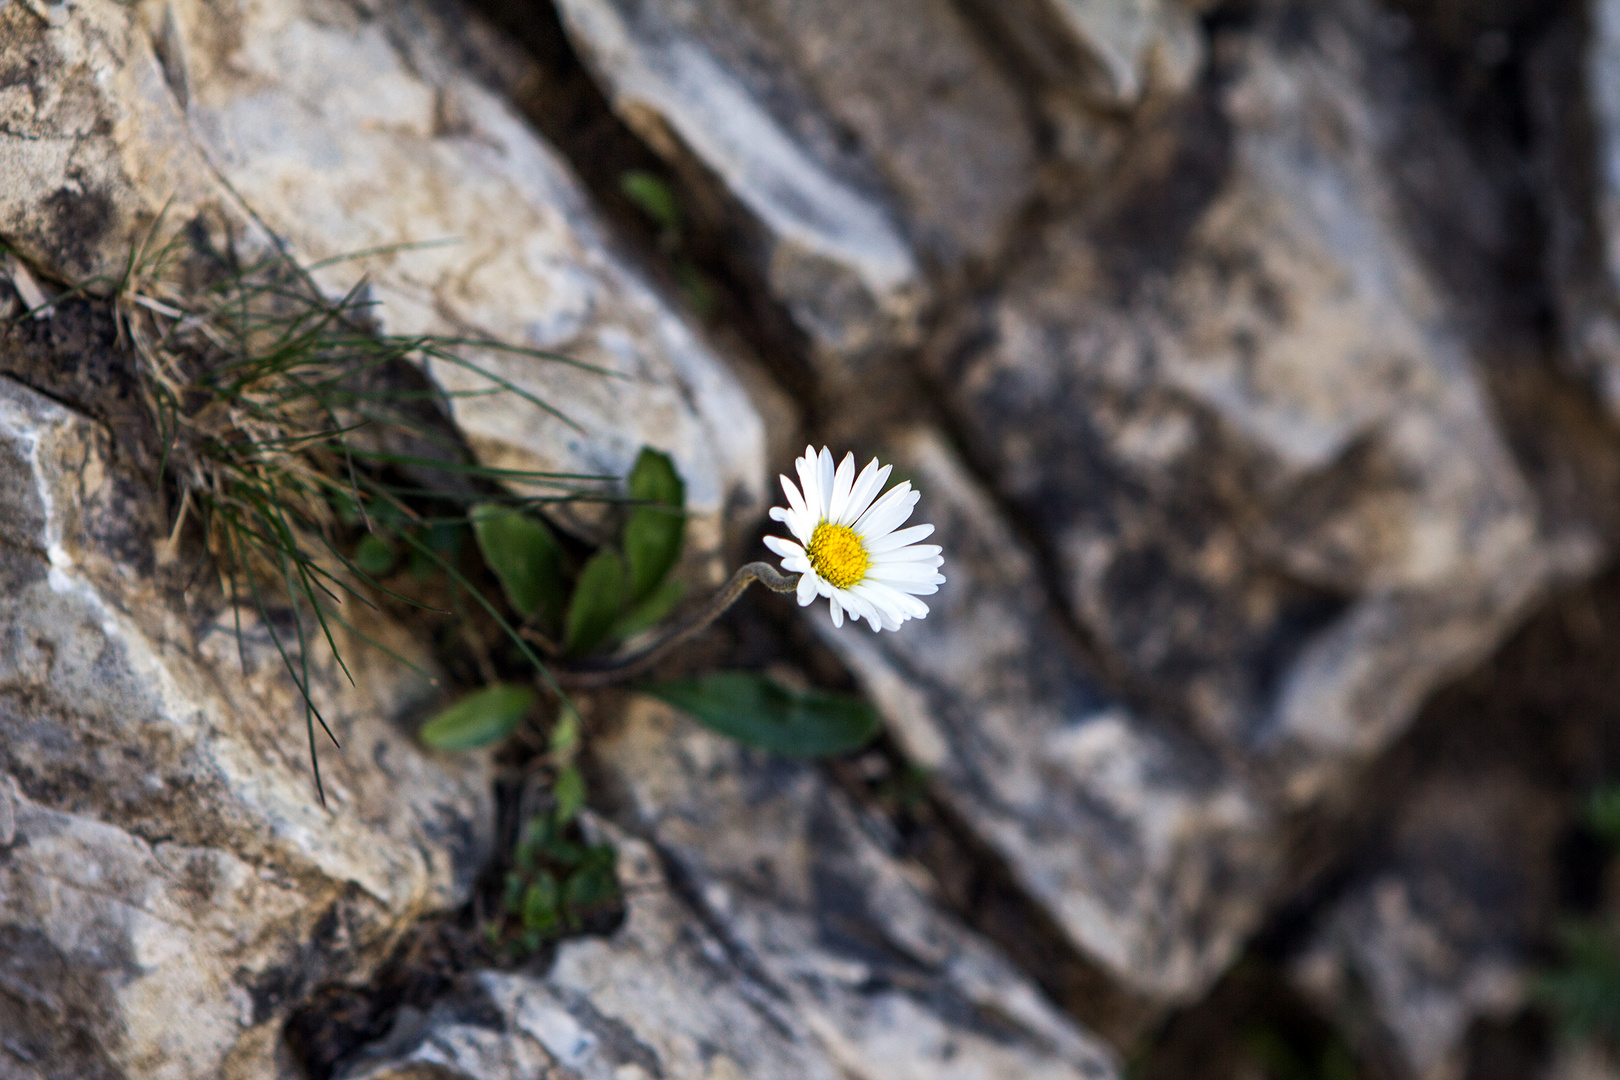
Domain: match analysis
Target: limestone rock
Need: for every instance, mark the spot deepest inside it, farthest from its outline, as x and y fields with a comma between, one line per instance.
x=663, y=997
x=780, y=864
x=1150, y=854
x=1111, y=52
x=1230, y=400
x=344, y=128
x=860, y=144
x=1440, y=931
x=169, y=884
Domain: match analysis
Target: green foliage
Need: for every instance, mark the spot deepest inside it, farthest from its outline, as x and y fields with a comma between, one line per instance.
x=1282, y=1060
x=483, y=717
x=651, y=610
x=1583, y=991
x=653, y=533
x=556, y=885
x=760, y=712
x=374, y=556
x=657, y=202
x=652, y=197
x=1603, y=814
x=598, y=602
x=526, y=558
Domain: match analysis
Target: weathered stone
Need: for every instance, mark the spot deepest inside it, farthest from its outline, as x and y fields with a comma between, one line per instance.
x=662, y=997
x=857, y=141
x=342, y=128
x=1150, y=854
x=1441, y=931
x=1230, y=401
x=169, y=884
x=781, y=866
x=1111, y=52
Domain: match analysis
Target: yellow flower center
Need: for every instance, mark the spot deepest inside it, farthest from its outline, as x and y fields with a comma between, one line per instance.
x=838, y=555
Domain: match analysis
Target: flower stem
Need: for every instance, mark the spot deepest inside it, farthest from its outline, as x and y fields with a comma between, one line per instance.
x=592, y=675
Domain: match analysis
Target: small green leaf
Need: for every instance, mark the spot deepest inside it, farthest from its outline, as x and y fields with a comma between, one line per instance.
x=527, y=559
x=758, y=712
x=652, y=197
x=374, y=555
x=569, y=791
x=540, y=903
x=653, y=533
x=1603, y=813
x=480, y=718
x=598, y=601
x=651, y=609
x=565, y=732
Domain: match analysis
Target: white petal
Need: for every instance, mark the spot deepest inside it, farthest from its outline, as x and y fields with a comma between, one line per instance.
x=843, y=480
x=825, y=475
x=928, y=553
x=797, y=565
x=791, y=490
x=888, y=513
x=837, y=612
x=898, y=539
x=905, y=572
x=784, y=548
x=810, y=482
x=807, y=589
x=865, y=490
x=892, y=600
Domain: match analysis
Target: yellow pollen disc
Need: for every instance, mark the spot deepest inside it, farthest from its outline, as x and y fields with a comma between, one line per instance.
x=838, y=555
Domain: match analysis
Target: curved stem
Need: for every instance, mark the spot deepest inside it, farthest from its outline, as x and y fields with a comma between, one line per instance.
x=590, y=676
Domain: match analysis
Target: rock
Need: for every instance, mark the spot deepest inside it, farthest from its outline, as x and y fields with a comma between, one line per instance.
x=662, y=997
x=169, y=885
x=1574, y=92
x=1230, y=402
x=1112, y=53
x=1440, y=931
x=1580, y=1062
x=860, y=144
x=782, y=868
x=1150, y=854
x=346, y=128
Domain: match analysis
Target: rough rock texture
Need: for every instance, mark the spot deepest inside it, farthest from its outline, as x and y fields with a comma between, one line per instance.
x=162, y=854
x=1112, y=53
x=342, y=129
x=1152, y=856
x=1441, y=932
x=1228, y=398
x=783, y=867
x=851, y=181
x=662, y=997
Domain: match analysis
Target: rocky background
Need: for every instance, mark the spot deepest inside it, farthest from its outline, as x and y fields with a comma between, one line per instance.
x=1259, y=362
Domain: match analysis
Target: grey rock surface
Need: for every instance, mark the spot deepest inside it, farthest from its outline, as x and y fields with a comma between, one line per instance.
x=1112, y=53
x=1150, y=853
x=1440, y=933
x=169, y=885
x=862, y=144
x=345, y=128
x=662, y=997
x=786, y=869
x=1230, y=401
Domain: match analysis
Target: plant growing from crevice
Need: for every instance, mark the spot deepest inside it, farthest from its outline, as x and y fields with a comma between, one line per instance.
x=1582, y=990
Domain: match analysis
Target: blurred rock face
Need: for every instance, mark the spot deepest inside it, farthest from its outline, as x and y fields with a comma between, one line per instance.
x=1138, y=293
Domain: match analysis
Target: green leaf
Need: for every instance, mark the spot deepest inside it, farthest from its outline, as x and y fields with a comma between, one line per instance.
x=650, y=610
x=652, y=197
x=565, y=732
x=759, y=712
x=1603, y=813
x=597, y=603
x=527, y=559
x=569, y=791
x=480, y=718
x=374, y=555
x=540, y=903
x=652, y=535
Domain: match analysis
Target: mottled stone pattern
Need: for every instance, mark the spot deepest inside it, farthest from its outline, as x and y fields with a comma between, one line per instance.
x=164, y=852
x=781, y=864
x=1151, y=854
x=663, y=997
x=1228, y=397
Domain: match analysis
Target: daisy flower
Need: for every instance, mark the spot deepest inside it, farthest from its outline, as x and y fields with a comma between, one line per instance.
x=848, y=548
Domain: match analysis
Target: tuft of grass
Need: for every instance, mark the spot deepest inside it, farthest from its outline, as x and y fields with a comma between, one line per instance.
x=288, y=420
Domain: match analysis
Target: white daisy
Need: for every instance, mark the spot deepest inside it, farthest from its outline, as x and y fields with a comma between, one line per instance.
x=848, y=549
